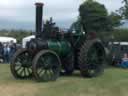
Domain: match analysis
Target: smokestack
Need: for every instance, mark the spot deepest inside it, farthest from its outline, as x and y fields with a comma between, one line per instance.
x=39, y=11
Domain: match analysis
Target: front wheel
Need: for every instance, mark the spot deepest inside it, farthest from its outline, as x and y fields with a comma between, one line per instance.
x=21, y=64
x=46, y=66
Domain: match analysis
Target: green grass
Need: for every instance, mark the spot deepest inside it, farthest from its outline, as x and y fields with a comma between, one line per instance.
x=114, y=82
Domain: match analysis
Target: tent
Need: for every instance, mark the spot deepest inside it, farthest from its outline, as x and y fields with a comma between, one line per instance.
x=7, y=39
x=27, y=39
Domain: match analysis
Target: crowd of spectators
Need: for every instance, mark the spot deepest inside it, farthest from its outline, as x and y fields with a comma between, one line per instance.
x=6, y=51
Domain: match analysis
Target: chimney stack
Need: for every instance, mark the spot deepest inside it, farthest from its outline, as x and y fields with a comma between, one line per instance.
x=39, y=14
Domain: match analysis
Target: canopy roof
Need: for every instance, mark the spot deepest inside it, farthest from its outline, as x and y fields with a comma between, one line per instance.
x=7, y=39
x=26, y=39
x=119, y=43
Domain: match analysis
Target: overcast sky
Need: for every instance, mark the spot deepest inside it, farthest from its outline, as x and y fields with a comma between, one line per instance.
x=20, y=14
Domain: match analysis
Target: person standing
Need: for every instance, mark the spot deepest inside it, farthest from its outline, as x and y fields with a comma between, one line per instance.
x=6, y=53
x=1, y=52
x=12, y=47
x=124, y=62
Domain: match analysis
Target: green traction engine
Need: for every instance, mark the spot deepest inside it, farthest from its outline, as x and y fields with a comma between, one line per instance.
x=52, y=53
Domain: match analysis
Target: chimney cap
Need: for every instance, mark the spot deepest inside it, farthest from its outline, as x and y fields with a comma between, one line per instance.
x=39, y=4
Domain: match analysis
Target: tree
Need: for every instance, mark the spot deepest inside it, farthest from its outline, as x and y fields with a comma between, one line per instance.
x=76, y=26
x=115, y=19
x=123, y=11
x=94, y=16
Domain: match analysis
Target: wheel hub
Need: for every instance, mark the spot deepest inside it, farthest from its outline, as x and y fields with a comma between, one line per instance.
x=26, y=64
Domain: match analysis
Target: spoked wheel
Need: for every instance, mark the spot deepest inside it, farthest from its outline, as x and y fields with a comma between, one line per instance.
x=21, y=64
x=91, y=59
x=46, y=66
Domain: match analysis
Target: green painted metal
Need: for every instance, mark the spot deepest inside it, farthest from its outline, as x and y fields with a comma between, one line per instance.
x=62, y=48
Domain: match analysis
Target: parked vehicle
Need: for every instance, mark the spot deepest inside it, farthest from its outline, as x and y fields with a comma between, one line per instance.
x=118, y=49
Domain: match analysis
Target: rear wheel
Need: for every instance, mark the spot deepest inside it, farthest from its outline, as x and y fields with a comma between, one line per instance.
x=46, y=66
x=21, y=64
x=91, y=58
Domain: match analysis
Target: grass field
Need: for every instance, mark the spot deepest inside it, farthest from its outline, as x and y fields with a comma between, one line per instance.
x=114, y=82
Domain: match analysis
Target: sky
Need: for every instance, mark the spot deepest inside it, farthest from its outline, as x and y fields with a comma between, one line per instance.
x=20, y=14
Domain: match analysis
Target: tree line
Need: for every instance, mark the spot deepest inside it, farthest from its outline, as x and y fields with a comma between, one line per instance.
x=18, y=34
